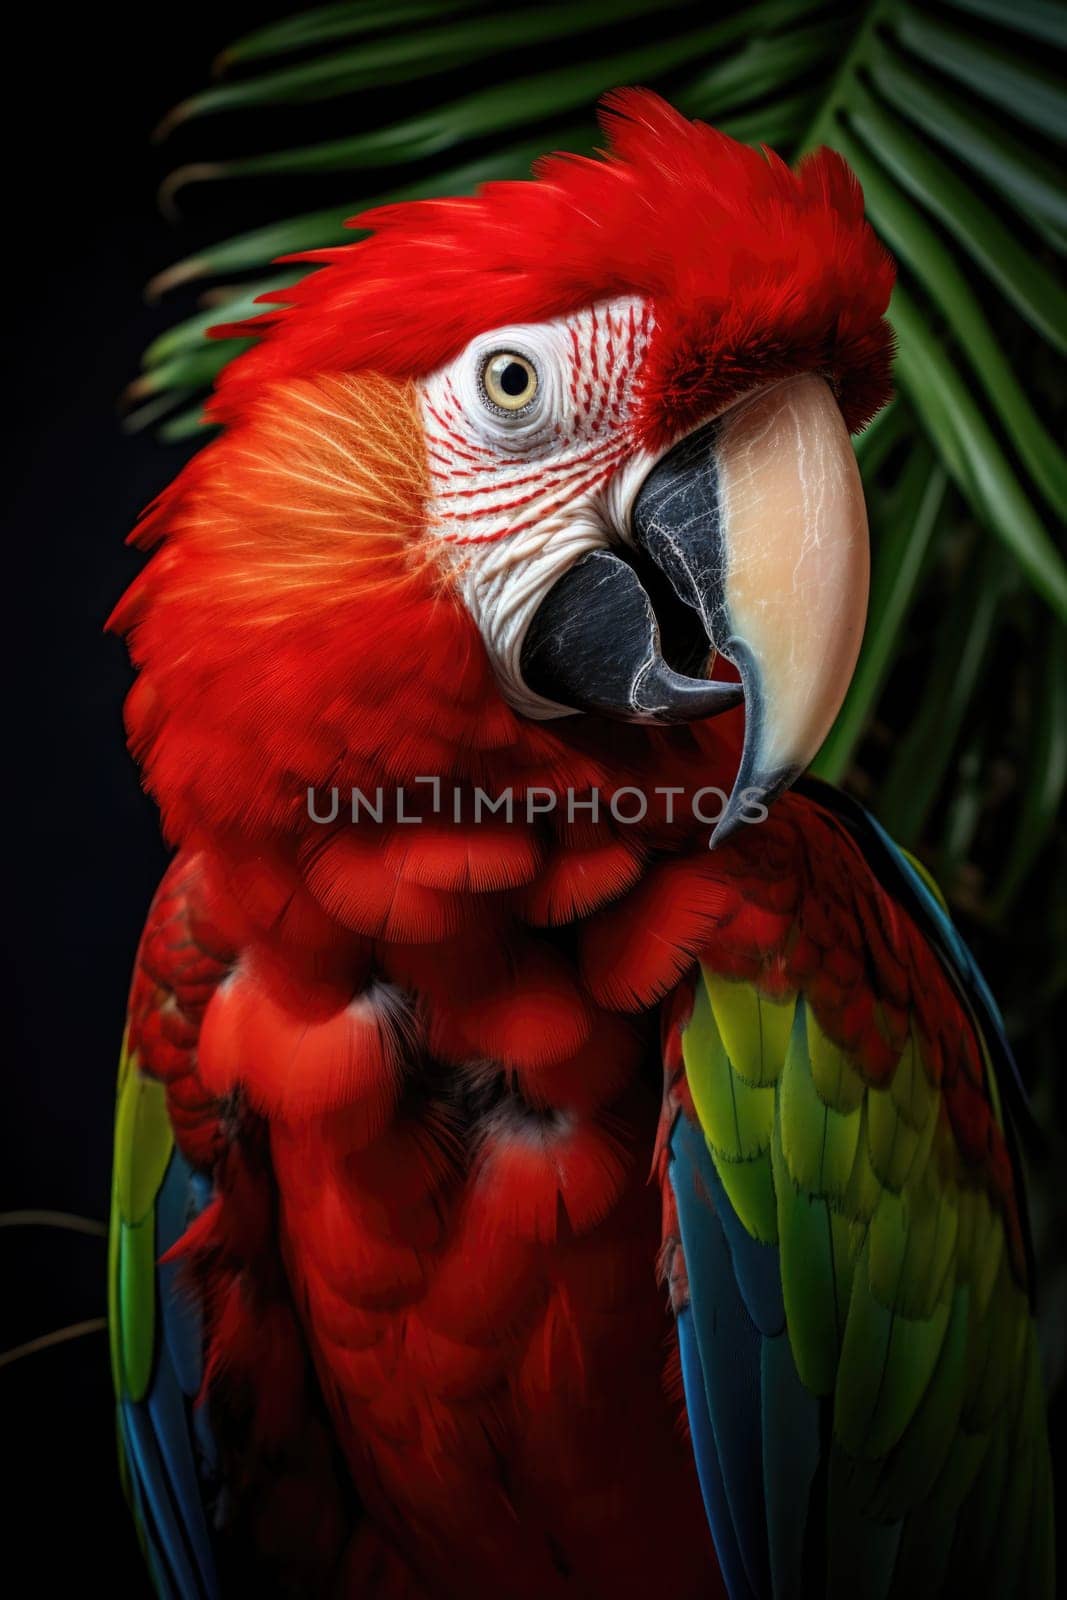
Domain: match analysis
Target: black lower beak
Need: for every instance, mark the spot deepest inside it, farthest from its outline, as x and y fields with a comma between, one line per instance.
x=594, y=645
x=595, y=642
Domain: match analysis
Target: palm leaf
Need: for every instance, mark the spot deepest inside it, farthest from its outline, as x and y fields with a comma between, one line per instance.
x=953, y=117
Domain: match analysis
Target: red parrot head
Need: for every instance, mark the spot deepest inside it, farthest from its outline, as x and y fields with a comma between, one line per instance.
x=521, y=466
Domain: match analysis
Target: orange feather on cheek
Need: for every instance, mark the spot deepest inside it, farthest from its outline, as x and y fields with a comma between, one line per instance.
x=294, y=629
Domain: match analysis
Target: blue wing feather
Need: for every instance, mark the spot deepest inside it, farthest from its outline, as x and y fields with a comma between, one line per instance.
x=169, y=1449
x=176, y=1206
x=169, y=1411
x=729, y=1356
x=791, y=1455
x=163, y=1525
x=707, y=1459
x=142, y=1515
x=755, y=1265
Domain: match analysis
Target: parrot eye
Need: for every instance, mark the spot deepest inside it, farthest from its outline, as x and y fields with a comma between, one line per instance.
x=509, y=381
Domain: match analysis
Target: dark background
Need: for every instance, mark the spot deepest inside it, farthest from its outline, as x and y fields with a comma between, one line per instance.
x=83, y=852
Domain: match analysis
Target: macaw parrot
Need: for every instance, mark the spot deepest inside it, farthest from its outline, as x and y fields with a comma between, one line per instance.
x=514, y=1196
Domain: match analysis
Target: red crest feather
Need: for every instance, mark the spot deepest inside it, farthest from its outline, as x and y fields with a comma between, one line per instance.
x=755, y=271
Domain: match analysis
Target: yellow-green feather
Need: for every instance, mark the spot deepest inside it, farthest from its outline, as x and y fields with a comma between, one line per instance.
x=809, y=1279
x=143, y=1146
x=736, y=1110
x=819, y=1143
x=832, y=1069
x=754, y=1029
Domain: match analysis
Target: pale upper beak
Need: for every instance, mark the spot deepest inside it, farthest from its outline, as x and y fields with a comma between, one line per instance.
x=747, y=539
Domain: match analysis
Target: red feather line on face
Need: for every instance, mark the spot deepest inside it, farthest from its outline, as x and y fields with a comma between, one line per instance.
x=579, y=451
x=754, y=272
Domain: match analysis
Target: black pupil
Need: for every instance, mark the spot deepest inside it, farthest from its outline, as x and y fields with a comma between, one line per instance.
x=514, y=379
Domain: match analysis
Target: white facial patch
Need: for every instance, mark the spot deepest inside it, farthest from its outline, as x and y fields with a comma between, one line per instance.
x=525, y=470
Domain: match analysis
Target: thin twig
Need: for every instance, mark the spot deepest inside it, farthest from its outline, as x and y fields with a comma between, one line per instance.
x=53, y=1219
x=76, y=1330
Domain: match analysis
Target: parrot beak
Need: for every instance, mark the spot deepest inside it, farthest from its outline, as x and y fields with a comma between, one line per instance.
x=749, y=540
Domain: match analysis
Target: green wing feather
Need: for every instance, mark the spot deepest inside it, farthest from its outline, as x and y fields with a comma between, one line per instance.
x=143, y=1146
x=903, y=1313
